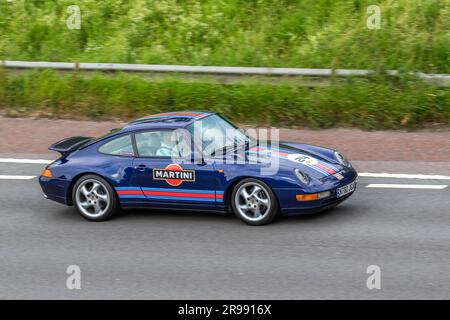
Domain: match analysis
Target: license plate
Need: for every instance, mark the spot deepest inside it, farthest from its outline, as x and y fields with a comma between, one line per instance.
x=342, y=191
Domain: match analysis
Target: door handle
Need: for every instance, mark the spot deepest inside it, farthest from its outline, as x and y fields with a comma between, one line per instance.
x=140, y=167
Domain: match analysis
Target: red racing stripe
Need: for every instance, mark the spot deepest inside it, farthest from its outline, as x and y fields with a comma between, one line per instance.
x=281, y=153
x=175, y=114
x=133, y=192
x=259, y=149
x=324, y=167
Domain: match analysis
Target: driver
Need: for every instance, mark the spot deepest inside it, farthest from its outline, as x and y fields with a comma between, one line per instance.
x=167, y=145
x=213, y=138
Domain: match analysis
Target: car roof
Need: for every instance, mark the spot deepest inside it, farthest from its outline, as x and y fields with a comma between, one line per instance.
x=166, y=120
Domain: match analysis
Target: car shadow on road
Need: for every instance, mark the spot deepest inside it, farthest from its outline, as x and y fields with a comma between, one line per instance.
x=70, y=214
x=148, y=214
x=342, y=213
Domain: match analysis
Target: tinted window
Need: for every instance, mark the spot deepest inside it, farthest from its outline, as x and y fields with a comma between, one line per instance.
x=159, y=143
x=121, y=146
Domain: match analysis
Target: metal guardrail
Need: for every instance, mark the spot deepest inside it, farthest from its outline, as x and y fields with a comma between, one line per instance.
x=240, y=71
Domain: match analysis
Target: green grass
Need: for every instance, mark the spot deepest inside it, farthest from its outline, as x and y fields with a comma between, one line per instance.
x=415, y=34
x=366, y=103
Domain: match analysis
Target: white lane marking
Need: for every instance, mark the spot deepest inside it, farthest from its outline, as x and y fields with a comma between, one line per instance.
x=403, y=176
x=407, y=186
x=8, y=177
x=34, y=161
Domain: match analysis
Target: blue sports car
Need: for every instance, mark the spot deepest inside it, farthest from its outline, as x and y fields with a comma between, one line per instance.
x=195, y=161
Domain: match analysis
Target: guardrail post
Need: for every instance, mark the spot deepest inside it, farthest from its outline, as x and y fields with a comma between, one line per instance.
x=2, y=67
x=333, y=69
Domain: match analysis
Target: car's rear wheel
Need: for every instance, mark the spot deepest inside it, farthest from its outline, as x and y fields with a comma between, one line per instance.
x=94, y=198
x=254, y=202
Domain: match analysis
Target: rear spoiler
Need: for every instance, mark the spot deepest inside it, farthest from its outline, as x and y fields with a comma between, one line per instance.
x=68, y=145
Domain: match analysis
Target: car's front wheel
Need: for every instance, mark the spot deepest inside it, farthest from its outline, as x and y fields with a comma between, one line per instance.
x=94, y=198
x=254, y=202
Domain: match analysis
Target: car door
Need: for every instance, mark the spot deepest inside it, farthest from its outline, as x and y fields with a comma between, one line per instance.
x=172, y=180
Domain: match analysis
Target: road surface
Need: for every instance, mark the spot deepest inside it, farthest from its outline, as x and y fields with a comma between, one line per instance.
x=162, y=255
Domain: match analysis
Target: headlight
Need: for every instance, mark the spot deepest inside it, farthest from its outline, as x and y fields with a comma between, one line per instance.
x=341, y=159
x=303, y=177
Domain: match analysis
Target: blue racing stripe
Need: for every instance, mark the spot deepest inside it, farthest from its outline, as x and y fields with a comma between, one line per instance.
x=329, y=165
x=177, y=198
x=182, y=198
x=179, y=190
x=128, y=188
x=325, y=173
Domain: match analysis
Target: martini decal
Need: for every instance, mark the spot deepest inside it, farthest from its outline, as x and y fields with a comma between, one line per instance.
x=174, y=175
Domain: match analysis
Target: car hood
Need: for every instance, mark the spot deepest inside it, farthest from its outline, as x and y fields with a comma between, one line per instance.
x=307, y=158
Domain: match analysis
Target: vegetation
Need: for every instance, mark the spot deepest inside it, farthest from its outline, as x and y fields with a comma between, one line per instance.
x=414, y=36
x=373, y=103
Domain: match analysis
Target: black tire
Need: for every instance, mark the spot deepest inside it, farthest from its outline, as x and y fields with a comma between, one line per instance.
x=267, y=194
x=107, y=210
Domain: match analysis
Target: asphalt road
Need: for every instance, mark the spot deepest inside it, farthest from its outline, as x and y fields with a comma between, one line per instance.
x=162, y=255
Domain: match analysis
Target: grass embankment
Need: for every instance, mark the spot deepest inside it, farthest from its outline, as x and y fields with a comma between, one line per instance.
x=414, y=34
x=374, y=103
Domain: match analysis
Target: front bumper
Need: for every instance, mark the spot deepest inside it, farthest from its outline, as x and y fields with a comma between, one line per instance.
x=289, y=205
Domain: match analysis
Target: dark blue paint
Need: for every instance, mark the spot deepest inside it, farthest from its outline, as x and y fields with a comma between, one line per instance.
x=121, y=173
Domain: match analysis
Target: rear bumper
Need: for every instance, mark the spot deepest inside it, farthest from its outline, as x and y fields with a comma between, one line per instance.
x=55, y=189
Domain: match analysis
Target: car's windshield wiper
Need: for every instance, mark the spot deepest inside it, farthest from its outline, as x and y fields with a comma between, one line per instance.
x=231, y=147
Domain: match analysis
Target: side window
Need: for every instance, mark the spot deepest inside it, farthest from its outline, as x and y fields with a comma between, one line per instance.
x=121, y=146
x=159, y=143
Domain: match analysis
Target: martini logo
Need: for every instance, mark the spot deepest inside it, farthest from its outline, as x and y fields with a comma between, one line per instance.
x=174, y=175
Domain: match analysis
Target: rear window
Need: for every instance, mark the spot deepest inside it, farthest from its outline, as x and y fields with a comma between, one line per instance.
x=94, y=140
x=121, y=146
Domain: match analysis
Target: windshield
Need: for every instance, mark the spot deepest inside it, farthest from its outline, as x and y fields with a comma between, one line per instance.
x=216, y=135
